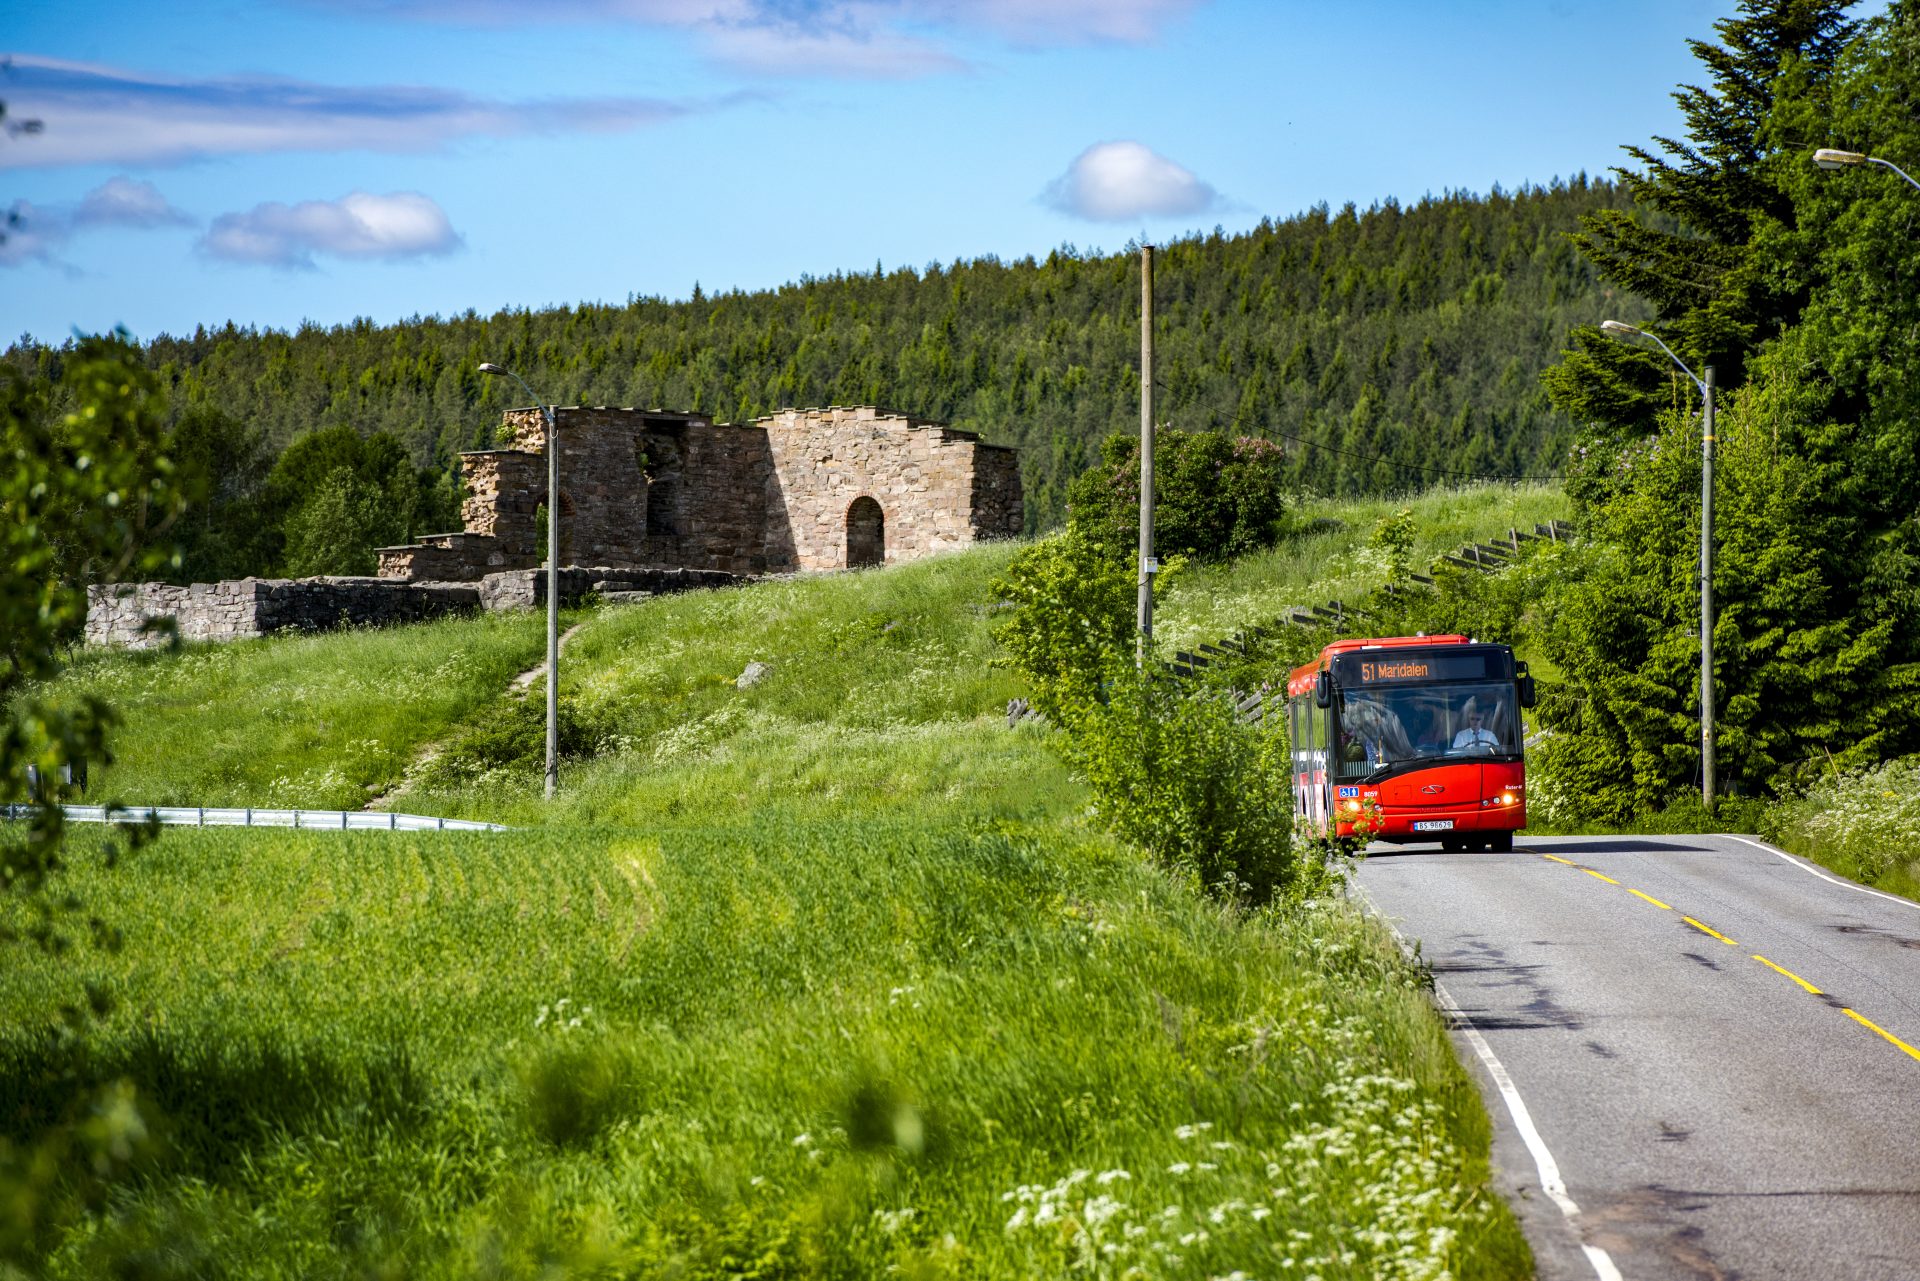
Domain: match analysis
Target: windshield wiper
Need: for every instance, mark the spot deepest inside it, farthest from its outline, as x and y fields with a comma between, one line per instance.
x=1388, y=768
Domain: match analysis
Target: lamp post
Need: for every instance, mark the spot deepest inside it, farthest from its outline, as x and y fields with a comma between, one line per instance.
x=1828, y=158
x=1622, y=331
x=1148, y=565
x=553, y=574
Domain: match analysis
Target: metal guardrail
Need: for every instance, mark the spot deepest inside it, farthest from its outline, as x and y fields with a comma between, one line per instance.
x=305, y=820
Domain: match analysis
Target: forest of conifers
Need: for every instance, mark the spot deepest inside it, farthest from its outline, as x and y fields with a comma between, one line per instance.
x=1386, y=349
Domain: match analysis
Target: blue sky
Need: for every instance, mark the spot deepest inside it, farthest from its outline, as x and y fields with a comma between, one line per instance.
x=273, y=163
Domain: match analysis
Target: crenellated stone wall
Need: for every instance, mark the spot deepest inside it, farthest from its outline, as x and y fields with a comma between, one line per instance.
x=713, y=512
x=926, y=478
x=645, y=488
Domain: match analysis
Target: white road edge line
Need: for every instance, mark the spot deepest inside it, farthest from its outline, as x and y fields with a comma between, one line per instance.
x=1804, y=866
x=1550, y=1180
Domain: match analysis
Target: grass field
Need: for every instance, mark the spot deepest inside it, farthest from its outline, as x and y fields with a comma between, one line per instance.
x=828, y=976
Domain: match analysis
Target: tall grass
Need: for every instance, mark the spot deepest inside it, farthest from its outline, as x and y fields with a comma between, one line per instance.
x=834, y=1048
x=1864, y=824
x=824, y=976
x=321, y=722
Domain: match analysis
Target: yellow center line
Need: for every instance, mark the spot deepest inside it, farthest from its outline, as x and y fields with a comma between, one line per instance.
x=1708, y=929
x=1704, y=928
x=1870, y=1024
x=1789, y=973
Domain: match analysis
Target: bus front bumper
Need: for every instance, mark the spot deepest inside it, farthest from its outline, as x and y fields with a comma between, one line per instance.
x=1438, y=824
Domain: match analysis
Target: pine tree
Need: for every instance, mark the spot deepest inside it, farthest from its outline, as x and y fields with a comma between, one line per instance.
x=1689, y=245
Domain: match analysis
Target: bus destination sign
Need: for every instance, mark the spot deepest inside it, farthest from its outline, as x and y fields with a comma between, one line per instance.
x=1404, y=668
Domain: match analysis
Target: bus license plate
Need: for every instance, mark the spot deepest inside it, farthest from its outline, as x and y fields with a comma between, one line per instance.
x=1434, y=825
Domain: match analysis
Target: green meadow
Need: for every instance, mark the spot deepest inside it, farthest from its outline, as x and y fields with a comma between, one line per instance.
x=826, y=976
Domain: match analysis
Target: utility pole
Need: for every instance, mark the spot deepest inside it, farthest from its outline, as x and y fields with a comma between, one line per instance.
x=1706, y=591
x=1147, y=565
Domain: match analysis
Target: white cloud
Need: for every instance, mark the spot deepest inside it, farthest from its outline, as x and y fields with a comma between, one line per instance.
x=1057, y=22
x=39, y=231
x=359, y=225
x=794, y=51
x=892, y=38
x=127, y=202
x=1122, y=181
x=105, y=115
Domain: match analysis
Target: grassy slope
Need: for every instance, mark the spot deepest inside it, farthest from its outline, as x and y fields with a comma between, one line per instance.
x=315, y=721
x=847, y=904
x=1335, y=563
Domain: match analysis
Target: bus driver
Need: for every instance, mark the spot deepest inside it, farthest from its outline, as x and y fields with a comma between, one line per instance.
x=1475, y=737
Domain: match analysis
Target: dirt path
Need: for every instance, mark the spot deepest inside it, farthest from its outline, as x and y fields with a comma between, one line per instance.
x=518, y=685
x=526, y=679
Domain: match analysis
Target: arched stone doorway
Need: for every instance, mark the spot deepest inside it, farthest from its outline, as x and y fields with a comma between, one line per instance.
x=866, y=534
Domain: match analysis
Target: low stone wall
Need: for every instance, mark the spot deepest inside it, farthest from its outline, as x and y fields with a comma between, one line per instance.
x=527, y=588
x=117, y=613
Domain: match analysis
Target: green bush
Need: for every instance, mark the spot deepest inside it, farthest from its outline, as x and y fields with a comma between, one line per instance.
x=1073, y=602
x=1175, y=772
x=1215, y=496
x=511, y=733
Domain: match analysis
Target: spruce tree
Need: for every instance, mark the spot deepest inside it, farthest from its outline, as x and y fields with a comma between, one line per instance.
x=1688, y=246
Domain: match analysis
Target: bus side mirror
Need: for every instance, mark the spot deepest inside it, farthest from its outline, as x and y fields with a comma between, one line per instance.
x=1526, y=691
x=1323, y=690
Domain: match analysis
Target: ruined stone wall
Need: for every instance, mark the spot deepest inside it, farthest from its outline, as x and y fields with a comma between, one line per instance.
x=603, y=489
x=247, y=607
x=645, y=488
x=711, y=482
x=527, y=588
x=999, y=510
x=239, y=608
x=929, y=480
x=505, y=488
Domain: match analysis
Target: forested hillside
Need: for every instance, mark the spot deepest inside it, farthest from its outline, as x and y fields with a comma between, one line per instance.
x=1404, y=343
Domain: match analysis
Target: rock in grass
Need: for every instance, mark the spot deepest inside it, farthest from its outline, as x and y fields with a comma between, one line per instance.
x=755, y=673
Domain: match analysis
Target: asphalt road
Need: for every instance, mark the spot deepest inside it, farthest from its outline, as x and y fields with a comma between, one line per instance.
x=1716, y=1046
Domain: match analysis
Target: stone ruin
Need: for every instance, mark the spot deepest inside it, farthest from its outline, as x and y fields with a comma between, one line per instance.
x=801, y=489
x=650, y=502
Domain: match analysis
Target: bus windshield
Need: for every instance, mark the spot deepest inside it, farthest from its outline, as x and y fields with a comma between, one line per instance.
x=1388, y=725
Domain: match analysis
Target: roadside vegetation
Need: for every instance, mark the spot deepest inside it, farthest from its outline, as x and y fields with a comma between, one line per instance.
x=828, y=975
x=819, y=967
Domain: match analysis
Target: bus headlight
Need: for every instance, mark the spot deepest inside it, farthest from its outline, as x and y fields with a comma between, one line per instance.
x=1353, y=807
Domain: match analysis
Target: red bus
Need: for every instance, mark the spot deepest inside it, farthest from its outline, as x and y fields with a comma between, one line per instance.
x=1416, y=737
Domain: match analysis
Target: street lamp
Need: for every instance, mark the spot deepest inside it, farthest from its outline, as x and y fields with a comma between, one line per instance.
x=1828, y=158
x=1624, y=332
x=553, y=574
x=1148, y=564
